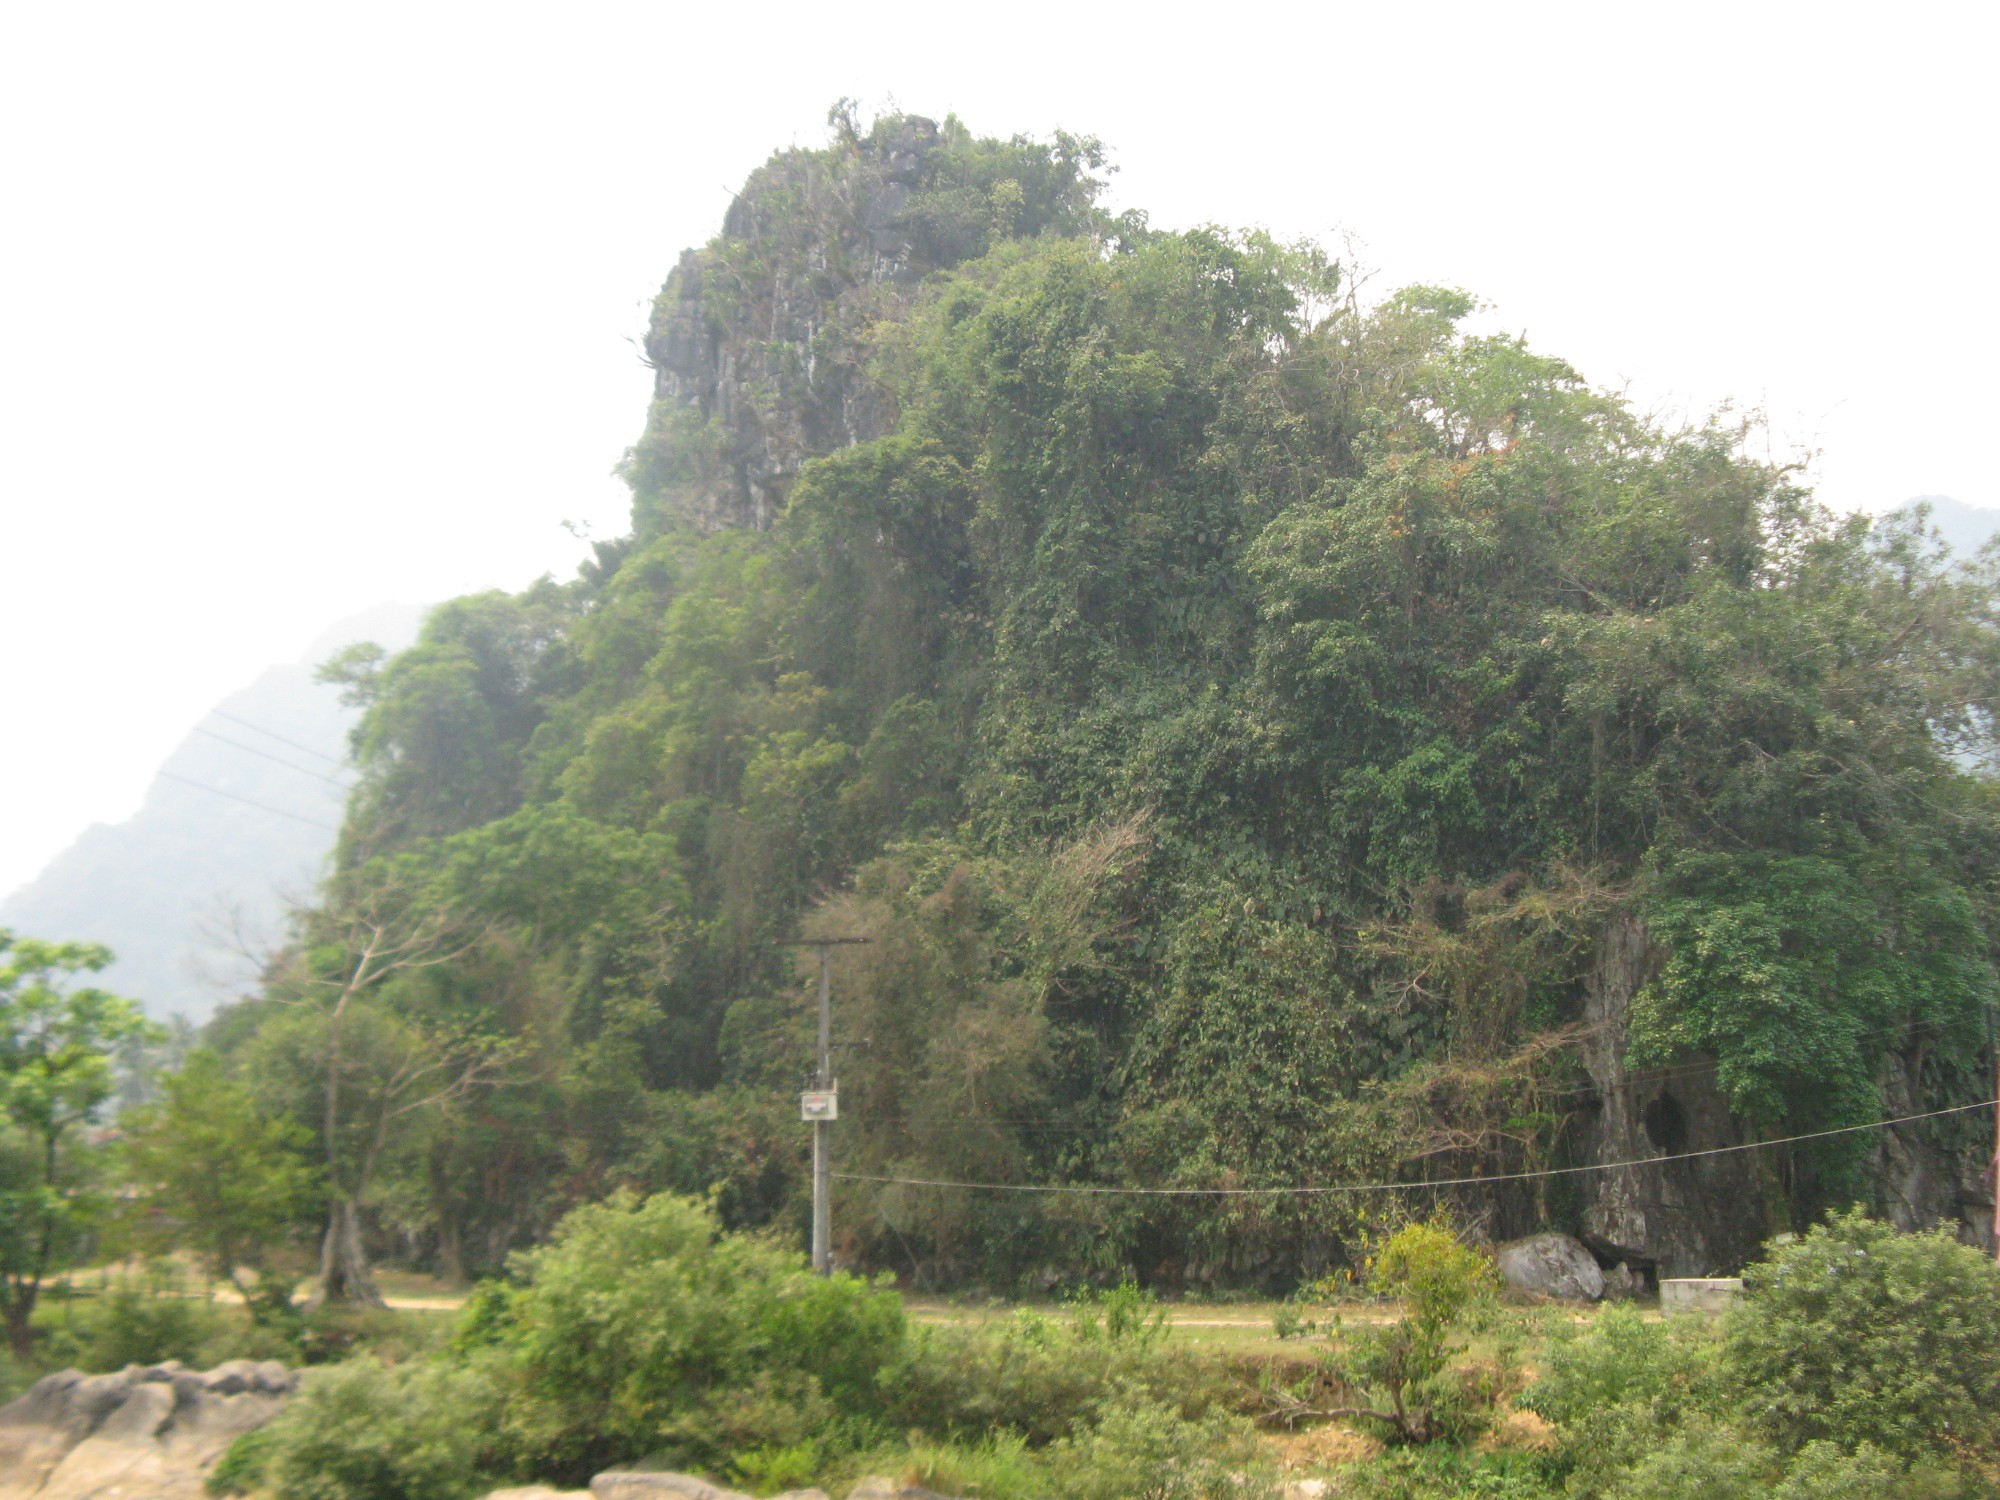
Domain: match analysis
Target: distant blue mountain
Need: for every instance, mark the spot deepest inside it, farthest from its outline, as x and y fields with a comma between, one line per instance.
x=1966, y=527
x=239, y=819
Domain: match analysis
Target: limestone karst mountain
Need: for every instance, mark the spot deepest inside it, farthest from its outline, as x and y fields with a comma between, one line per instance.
x=1966, y=527
x=238, y=819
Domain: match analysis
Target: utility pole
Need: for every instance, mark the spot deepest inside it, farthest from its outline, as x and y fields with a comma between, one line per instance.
x=1993, y=1042
x=820, y=1106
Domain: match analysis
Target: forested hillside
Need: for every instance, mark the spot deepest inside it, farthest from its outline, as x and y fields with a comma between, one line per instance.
x=1269, y=734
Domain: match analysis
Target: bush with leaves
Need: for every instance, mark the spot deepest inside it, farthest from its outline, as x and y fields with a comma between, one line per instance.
x=1857, y=1366
x=368, y=1431
x=1037, y=1377
x=1124, y=1314
x=1619, y=1387
x=999, y=1467
x=1703, y=1462
x=1713, y=1461
x=134, y=1327
x=643, y=1329
x=1449, y=1473
x=1440, y=1282
x=217, y=1173
x=1827, y=1471
x=1137, y=1449
x=1856, y=1332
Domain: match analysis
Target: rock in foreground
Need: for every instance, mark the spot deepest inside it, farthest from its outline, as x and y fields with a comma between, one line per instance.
x=149, y=1432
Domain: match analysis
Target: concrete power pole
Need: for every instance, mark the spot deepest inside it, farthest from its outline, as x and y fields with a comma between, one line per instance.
x=820, y=1107
x=822, y=1165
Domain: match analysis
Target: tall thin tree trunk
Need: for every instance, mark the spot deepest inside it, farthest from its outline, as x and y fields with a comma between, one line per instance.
x=343, y=1262
x=451, y=1250
x=20, y=1330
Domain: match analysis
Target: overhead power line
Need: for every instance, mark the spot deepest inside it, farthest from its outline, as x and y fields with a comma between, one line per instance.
x=278, y=759
x=332, y=760
x=248, y=802
x=1403, y=1187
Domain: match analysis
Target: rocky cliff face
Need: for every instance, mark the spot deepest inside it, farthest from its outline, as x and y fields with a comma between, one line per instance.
x=1702, y=1216
x=760, y=341
x=1684, y=1218
x=146, y=1433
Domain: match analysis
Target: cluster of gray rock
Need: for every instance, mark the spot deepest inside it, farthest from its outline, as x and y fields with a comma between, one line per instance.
x=149, y=1432
x=153, y=1432
x=1556, y=1265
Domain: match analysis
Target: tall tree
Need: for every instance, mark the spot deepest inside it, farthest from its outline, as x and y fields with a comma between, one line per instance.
x=218, y=1174
x=350, y=1046
x=57, y=1041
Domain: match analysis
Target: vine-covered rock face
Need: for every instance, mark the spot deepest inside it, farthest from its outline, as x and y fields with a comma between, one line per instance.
x=149, y=1432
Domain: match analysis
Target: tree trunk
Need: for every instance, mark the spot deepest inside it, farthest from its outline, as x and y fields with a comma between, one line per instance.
x=343, y=1263
x=20, y=1330
x=451, y=1251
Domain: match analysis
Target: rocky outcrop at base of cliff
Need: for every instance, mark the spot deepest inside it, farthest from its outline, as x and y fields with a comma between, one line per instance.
x=1690, y=1215
x=1551, y=1265
x=149, y=1432
x=1676, y=1193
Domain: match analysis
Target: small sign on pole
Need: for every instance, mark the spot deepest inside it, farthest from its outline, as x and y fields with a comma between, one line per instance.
x=819, y=1104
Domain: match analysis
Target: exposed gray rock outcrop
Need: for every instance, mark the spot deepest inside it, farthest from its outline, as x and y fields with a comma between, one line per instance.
x=1707, y=1208
x=1551, y=1265
x=758, y=343
x=1684, y=1217
x=620, y=1484
x=880, y=1487
x=149, y=1432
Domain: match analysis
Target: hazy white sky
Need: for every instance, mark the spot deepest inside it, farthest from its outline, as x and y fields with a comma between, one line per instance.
x=308, y=306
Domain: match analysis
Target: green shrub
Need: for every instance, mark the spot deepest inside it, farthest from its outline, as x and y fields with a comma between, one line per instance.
x=1407, y=1364
x=130, y=1326
x=340, y=1331
x=1125, y=1314
x=240, y=1470
x=133, y=1327
x=1825, y=1471
x=1711, y=1462
x=772, y=1468
x=1438, y=1473
x=1700, y=1463
x=1858, y=1333
x=642, y=1329
x=1618, y=1388
x=1143, y=1450
x=1618, y=1359
x=366, y=1431
x=1038, y=1378
x=997, y=1468
x=15, y=1376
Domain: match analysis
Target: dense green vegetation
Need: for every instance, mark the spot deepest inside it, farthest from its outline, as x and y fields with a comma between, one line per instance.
x=1248, y=724
x=642, y=1334
x=1234, y=711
